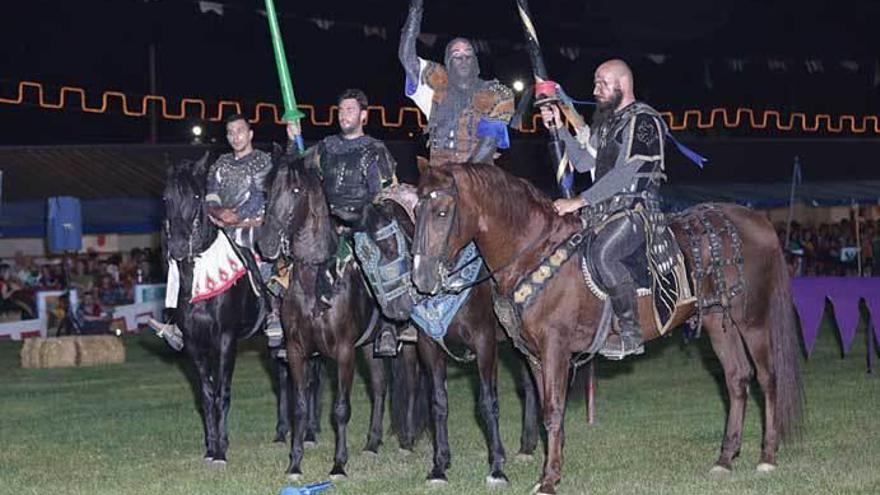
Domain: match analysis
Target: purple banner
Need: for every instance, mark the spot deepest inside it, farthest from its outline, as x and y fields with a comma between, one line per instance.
x=844, y=294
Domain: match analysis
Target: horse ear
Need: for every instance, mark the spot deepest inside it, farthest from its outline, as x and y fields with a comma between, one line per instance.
x=423, y=165
x=277, y=151
x=200, y=167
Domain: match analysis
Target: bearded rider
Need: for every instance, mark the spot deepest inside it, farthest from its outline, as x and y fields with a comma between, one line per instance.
x=624, y=148
x=467, y=116
x=354, y=169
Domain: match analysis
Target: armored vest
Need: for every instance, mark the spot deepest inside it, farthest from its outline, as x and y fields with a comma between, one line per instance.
x=353, y=172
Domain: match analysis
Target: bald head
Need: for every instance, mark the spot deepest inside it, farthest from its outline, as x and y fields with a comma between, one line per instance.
x=613, y=84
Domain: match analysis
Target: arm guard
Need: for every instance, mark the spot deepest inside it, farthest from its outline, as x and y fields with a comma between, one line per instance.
x=407, y=50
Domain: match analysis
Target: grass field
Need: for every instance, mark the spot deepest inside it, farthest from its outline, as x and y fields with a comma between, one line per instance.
x=134, y=428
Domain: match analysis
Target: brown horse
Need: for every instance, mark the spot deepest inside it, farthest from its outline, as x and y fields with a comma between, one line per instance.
x=516, y=227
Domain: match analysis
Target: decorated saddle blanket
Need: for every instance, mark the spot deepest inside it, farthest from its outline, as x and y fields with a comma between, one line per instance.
x=434, y=314
x=215, y=270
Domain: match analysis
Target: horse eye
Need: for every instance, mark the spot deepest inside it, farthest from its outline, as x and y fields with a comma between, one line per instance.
x=295, y=190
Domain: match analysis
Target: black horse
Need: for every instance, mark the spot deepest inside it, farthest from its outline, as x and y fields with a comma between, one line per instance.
x=211, y=327
x=474, y=326
x=298, y=226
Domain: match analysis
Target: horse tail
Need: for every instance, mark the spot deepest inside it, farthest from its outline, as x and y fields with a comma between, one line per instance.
x=786, y=356
x=407, y=376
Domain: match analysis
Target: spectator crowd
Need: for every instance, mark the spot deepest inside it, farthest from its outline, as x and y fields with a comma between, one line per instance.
x=102, y=281
x=833, y=250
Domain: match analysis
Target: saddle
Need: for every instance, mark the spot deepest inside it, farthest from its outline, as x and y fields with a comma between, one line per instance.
x=664, y=295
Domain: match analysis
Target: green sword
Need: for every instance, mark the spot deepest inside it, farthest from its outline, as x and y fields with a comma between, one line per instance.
x=291, y=112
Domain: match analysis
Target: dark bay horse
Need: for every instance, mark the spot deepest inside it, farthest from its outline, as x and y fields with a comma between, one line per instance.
x=473, y=326
x=298, y=226
x=211, y=327
x=515, y=227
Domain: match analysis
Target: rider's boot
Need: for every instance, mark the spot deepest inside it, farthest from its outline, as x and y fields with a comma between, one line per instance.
x=274, y=332
x=629, y=341
x=408, y=334
x=386, y=343
x=168, y=331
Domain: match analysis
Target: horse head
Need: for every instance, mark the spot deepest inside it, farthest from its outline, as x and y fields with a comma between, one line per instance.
x=439, y=233
x=297, y=220
x=383, y=247
x=188, y=231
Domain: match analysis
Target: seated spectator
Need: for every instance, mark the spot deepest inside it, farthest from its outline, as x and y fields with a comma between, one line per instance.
x=109, y=293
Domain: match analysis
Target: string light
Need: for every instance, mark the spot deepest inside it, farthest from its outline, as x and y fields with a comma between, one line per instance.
x=409, y=117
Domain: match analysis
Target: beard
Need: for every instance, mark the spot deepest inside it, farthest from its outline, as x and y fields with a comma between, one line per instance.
x=604, y=110
x=348, y=130
x=459, y=80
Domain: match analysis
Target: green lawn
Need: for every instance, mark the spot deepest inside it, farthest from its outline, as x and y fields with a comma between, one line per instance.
x=134, y=428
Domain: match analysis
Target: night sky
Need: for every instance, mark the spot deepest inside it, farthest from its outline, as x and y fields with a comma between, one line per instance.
x=103, y=45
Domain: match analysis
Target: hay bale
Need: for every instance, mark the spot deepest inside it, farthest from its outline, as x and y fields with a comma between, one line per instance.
x=30, y=353
x=99, y=349
x=58, y=352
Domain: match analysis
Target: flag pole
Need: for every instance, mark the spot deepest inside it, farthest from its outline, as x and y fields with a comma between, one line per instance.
x=795, y=174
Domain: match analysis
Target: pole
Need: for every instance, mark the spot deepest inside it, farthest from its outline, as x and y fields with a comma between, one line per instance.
x=291, y=112
x=855, y=207
x=795, y=172
x=154, y=122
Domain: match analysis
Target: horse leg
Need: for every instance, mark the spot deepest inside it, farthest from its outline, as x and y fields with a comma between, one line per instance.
x=554, y=384
x=528, y=439
x=282, y=400
x=487, y=367
x=200, y=361
x=758, y=343
x=299, y=384
x=436, y=365
x=224, y=393
x=314, y=401
x=729, y=348
x=378, y=389
x=342, y=410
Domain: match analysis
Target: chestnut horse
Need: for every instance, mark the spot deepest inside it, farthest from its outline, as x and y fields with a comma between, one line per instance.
x=515, y=227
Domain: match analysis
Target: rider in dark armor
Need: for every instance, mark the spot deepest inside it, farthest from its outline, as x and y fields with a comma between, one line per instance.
x=467, y=116
x=624, y=149
x=354, y=169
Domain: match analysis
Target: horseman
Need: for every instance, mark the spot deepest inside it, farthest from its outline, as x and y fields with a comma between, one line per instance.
x=624, y=149
x=467, y=116
x=354, y=169
x=235, y=199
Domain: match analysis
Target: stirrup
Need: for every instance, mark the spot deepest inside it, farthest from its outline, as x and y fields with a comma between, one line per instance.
x=386, y=345
x=616, y=347
x=169, y=332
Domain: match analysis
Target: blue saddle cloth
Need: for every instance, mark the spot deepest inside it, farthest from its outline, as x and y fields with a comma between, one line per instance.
x=434, y=314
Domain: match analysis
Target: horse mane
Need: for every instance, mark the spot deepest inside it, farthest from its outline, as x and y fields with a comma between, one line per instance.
x=316, y=241
x=515, y=196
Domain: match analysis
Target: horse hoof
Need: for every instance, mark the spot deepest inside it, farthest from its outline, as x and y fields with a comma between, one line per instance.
x=536, y=490
x=218, y=464
x=496, y=481
x=719, y=471
x=208, y=459
x=437, y=482
x=765, y=467
x=309, y=444
x=521, y=457
x=404, y=451
x=294, y=477
x=371, y=454
x=279, y=438
x=338, y=477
